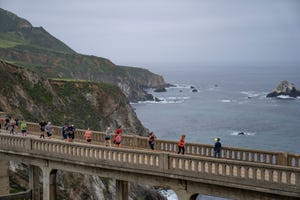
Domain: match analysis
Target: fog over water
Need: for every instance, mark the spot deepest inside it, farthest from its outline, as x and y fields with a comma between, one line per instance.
x=144, y=33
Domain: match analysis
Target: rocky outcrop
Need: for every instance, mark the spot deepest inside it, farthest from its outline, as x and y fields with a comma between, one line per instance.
x=160, y=90
x=285, y=88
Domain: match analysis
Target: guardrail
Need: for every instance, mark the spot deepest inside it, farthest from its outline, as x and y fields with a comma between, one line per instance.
x=259, y=175
x=231, y=153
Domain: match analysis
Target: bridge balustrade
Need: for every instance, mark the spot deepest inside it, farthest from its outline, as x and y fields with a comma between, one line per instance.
x=240, y=154
x=188, y=166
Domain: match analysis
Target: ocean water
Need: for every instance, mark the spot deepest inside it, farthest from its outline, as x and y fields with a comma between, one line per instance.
x=229, y=100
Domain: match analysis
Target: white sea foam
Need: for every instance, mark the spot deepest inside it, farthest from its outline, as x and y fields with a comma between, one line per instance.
x=177, y=98
x=226, y=100
x=285, y=97
x=245, y=133
x=165, y=100
x=169, y=194
x=251, y=93
x=181, y=86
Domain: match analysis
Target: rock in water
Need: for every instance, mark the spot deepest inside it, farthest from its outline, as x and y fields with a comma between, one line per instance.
x=160, y=90
x=285, y=88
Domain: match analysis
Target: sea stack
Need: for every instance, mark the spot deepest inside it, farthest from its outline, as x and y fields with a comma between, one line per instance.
x=285, y=88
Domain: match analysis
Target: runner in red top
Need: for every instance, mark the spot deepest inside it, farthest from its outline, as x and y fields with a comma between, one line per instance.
x=181, y=144
x=88, y=135
x=118, y=139
x=119, y=130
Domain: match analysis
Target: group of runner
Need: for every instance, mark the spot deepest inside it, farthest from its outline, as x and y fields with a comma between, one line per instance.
x=68, y=134
x=12, y=125
x=108, y=134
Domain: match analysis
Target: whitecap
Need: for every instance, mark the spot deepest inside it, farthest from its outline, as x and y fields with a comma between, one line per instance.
x=251, y=94
x=181, y=86
x=226, y=101
x=237, y=133
x=177, y=98
x=162, y=101
x=285, y=97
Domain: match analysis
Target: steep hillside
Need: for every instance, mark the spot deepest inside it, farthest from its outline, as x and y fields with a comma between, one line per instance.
x=34, y=48
x=27, y=95
x=20, y=31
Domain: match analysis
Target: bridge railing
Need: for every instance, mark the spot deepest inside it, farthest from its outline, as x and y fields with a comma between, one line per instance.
x=189, y=167
x=240, y=154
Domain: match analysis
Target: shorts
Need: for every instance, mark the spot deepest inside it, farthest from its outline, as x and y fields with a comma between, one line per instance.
x=65, y=136
x=71, y=135
x=49, y=134
x=107, y=137
x=89, y=140
x=23, y=131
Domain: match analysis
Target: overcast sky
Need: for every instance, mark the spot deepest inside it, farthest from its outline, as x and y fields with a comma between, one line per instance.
x=145, y=32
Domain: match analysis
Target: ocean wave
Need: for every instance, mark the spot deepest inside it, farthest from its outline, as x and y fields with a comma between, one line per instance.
x=284, y=97
x=177, y=98
x=181, y=86
x=165, y=100
x=238, y=133
x=226, y=101
x=169, y=194
x=252, y=94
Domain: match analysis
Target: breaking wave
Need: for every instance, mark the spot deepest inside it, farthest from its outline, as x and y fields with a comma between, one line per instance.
x=238, y=133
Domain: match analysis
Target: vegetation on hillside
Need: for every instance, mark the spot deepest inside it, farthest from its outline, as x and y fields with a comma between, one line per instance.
x=35, y=49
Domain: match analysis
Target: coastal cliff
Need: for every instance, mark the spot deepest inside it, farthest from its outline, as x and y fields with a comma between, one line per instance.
x=35, y=49
x=28, y=95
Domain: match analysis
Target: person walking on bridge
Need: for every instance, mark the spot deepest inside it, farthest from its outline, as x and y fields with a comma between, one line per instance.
x=151, y=140
x=88, y=135
x=12, y=124
x=108, y=132
x=217, y=148
x=49, y=130
x=118, y=136
x=181, y=144
x=71, y=133
x=42, y=129
x=23, y=128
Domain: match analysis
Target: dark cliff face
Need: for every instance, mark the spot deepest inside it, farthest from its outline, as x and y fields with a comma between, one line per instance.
x=27, y=95
x=34, y=48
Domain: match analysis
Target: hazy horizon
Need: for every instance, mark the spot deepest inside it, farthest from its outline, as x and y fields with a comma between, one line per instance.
x=166, y=33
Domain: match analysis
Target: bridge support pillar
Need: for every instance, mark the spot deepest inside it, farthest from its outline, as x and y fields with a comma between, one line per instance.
x=34, y=181
x=121, y=190
x=49, y=184
x=53, y=184
x=4, y=177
